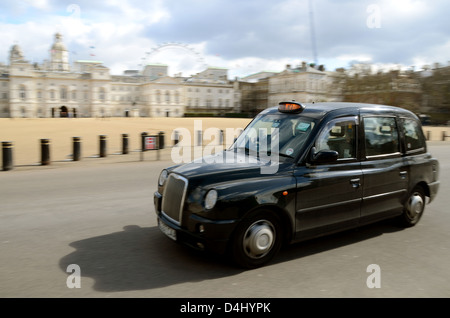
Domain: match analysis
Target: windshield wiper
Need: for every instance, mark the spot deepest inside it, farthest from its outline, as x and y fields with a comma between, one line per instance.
x=248, y=150
x=285, y=155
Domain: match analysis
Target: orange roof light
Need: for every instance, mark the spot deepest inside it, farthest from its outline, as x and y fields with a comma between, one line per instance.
x=290, y=107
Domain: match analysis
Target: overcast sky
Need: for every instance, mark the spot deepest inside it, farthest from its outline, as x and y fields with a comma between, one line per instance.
x=244, y=36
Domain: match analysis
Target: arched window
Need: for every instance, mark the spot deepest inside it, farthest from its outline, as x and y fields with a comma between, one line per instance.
x=101, y=94
x=22, y=92
x=167, y=97
x=63, y=93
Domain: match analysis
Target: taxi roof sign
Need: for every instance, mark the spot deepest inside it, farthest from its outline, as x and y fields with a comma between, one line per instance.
x=290, y=107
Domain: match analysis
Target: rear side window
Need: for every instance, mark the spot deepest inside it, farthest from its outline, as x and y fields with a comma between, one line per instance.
x=381, y=136
x=414, y=139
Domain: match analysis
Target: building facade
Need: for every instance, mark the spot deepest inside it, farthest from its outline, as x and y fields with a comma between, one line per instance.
x=435, y=83
x=88, y=89
x=397, y=88
x=304, y=83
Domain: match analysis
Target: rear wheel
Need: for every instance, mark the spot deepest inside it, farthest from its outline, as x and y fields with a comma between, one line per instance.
x=413, y=208
x=257, y=239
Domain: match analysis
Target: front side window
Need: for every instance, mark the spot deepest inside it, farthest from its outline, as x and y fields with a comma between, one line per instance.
x=339, y=135
x=414, y=139
x=381, y=136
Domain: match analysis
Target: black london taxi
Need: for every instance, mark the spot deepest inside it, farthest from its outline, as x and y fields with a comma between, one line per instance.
x=297, y=172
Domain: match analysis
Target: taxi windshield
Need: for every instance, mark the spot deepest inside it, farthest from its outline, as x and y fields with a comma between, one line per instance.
x=275, y=133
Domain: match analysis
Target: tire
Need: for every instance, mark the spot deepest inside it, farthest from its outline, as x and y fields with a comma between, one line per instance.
x=256, y=240
x=413, y=208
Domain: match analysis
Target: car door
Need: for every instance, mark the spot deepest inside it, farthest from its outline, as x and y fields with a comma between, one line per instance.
x=329, y=193
x=384, y=169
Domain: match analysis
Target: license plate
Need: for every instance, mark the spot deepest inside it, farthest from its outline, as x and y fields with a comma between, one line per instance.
x=167, y=230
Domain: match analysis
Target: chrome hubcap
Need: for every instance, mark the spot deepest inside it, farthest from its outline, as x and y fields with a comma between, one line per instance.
x=259, y=239
x=415, y=205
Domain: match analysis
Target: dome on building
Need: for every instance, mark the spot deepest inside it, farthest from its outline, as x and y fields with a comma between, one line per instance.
x=15, y=54
x=58, y=45
x=59, y=59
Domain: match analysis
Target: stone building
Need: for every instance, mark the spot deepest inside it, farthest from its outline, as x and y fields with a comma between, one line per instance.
x=435, y=83
x=210, y=92
x=395, y=87
x=254, y=90
x=87, y=88
x=53, y=89
x=304, y=83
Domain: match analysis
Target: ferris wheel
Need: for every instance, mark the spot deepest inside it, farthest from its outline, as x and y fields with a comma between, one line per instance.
x=179, y=56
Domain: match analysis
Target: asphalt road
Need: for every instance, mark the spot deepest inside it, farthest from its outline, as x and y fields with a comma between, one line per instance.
x=100, y=217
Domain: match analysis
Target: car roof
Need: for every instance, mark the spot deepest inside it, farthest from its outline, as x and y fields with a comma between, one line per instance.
x=320, y=109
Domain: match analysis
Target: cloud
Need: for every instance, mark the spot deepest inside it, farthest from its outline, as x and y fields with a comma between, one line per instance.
x=239, y=35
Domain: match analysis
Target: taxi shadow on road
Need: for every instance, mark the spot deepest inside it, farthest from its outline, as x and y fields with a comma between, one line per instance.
x=339, y=239
x=140, y=258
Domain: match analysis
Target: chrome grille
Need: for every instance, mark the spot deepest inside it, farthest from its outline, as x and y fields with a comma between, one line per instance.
x=173, y=197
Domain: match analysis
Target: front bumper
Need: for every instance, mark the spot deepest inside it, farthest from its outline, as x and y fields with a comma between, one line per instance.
x=434, y=187
x=199, y=233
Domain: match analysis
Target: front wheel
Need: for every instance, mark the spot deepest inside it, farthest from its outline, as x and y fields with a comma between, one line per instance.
x=413, y=208
x=257, y=239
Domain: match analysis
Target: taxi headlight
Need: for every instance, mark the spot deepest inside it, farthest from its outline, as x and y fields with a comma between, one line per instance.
x=210, y=199
x=162, y=177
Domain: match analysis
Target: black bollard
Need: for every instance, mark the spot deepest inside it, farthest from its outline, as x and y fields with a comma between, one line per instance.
x=161, y=140
x=76, y=148
x=7, y=147
x=176, y=138
x=45, y=152
x=143, y=135
x=199, y=138
x=124, y=144
x=102, y=146
x=221, y=137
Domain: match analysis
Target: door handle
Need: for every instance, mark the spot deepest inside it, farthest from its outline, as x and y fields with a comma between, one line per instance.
x=355, y=183
x=403, y=174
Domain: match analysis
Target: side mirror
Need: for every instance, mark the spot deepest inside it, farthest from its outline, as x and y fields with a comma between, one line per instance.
x=323, y=156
